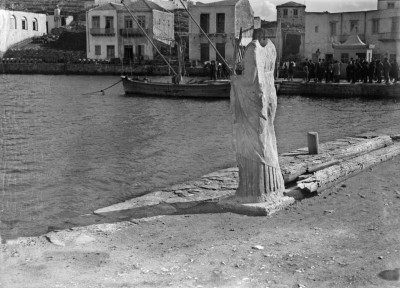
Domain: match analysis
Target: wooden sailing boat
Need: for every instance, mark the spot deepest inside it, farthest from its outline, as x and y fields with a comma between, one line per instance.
x=201, y=89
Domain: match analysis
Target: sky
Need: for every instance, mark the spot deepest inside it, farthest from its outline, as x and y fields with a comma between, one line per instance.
x=267, y=11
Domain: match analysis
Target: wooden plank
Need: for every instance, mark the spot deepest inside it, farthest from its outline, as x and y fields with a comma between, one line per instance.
x=294, y=166
x=333, y=173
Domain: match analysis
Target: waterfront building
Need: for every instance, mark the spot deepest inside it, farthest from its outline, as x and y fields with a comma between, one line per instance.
x=315, y=35
x=112, y=33
x=377, y=29
x=19, y=27
x=221, y=21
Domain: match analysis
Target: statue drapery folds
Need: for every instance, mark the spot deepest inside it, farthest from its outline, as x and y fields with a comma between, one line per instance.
x=253, y=106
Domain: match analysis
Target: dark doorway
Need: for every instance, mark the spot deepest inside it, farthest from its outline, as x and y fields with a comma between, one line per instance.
x=329, y=57
x=221, y=50
x=204, y=52
x=361, y=55
x=128, y=52
x=291, y=45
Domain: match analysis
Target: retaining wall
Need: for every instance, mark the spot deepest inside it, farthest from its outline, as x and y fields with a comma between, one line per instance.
x=91, y=69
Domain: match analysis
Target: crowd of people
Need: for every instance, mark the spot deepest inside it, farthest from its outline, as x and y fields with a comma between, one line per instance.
x=217, y=70
x=358, y=70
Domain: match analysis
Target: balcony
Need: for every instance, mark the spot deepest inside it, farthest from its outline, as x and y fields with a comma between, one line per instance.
x=102, y=31
x=389, y=36
x=133, y=32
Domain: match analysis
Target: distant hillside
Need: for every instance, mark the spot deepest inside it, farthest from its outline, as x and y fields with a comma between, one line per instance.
x=47, y=6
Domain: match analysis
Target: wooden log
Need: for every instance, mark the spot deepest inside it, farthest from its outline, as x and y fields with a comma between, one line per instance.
x=332, y=174
x=323, y=165
x=293, y=167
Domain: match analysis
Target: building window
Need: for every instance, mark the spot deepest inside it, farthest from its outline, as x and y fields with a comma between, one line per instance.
x=354, y=25
x=220, y=23
x=205, y=22
x=128, y=22
x=97, y=50
x=35, y=25
x=13, y=22
x=204, y=52
x=316, y=29
x=285, y=12
x=295, y=12
x=375, y=26
x=395, y=24
x=142, y=21
x=390, y=5
x=333, y=28
x=110, y=51
x=109, y=22
x=96, y=22
x=24, y=24
x=344, y=57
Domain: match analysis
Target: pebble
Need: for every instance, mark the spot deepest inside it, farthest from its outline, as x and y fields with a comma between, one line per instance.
x=258, y=247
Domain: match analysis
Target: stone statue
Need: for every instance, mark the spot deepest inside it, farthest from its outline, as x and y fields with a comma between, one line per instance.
x=253, y=105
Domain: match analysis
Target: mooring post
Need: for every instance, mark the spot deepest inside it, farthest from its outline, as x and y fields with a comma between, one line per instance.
x=313, y=143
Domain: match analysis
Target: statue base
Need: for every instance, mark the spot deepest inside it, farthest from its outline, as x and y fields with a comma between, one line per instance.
x=240, y=206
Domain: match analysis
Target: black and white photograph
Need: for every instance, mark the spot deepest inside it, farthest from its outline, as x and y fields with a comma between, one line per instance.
x=199, y=144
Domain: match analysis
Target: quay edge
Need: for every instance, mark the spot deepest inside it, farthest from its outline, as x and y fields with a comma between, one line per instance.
x=343, y=89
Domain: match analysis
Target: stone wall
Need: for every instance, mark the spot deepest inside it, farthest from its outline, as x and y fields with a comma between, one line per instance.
x=92, y=69
x=67, y=6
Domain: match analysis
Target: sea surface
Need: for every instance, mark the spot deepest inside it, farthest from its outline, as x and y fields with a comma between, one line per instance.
x=65, y=153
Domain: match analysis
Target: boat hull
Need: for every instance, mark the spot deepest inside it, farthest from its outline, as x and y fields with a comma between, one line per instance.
x=211, y=89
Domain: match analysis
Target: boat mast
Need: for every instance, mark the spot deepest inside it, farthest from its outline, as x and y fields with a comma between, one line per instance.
x=202, y=31
x=148, y=38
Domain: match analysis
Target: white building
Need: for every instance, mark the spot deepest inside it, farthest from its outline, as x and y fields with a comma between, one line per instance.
x=18, y=26
x=221, y=21
x=378, y=29
x=112, y=33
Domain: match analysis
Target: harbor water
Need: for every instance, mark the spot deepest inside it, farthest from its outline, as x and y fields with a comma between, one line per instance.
x=65, y=154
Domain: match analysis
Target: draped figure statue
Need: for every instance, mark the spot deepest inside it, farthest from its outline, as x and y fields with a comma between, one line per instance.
x=253, y=106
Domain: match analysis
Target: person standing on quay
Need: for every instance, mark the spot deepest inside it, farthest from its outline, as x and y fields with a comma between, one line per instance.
x=386, y=70
x=371, y=70
x=213, y=71
x=291, y=70
x=394, y=71
x=379, y=71
x=364, y=70
x=311, y=71
x=336, y=71
x=320, y=71
x=305, y=70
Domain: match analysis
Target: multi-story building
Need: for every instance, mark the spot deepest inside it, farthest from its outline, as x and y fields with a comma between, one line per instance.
x=291, y=17
x=19, y=26
x=113, y=33
x=378, y=29
x=221, y=21
x=316, y=35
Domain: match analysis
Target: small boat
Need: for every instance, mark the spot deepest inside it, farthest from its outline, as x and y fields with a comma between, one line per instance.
x=195, y=89
x=199, y=89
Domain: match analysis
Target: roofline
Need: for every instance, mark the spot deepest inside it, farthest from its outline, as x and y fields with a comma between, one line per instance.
x=285, y=5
